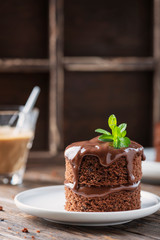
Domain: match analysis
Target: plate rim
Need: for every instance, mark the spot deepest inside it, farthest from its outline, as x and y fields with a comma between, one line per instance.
x=95, y=224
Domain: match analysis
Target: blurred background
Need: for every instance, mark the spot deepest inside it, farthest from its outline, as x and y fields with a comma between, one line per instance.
x=90, y=58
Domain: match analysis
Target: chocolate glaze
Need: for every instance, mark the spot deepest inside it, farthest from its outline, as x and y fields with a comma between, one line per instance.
x=101, y=191
x=106, y=154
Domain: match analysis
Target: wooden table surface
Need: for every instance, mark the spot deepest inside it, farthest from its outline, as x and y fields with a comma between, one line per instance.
x=12, y=220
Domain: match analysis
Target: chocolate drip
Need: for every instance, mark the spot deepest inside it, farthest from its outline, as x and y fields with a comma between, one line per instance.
x=104, y=152
x=101, y=191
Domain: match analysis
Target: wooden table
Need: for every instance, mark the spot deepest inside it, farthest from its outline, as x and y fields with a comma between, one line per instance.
x=12, y=220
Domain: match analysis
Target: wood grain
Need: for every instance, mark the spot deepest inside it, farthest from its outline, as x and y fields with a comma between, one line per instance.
x=94, y=64
x=14, y=220
x=54, y=136
x=24, y=65
x=60, y=72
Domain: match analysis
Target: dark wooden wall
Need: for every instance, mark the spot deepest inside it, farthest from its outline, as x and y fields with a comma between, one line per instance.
x=90, y=59
x=93, y=87
x=24, y=29
x=108, y=28
x=91, y=97
x=24, y=35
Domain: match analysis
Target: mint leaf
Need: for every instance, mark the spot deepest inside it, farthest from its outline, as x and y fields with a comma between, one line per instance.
x=106, y=138
x=122, y=127
x=124, y=133
x=124, y=142
x=118, y=136
x=116, y=132
x=112, y=121
x=99, y=130
x=116, y=143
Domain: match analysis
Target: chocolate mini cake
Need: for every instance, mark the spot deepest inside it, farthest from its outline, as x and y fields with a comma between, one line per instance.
x=101, y=178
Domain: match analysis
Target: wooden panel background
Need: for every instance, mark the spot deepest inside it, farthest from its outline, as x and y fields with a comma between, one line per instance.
x=108, y=28
x=89, y=98
x=81, y=37
x=24, y=29
x=15, y=89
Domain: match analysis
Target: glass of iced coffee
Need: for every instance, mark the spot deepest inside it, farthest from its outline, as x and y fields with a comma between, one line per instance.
x=15, y=142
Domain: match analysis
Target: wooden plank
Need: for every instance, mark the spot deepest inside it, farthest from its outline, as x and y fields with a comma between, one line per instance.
x=24, y=65
x=109, y=64
x=60, y=71
x=156, y=86
x=54, y=136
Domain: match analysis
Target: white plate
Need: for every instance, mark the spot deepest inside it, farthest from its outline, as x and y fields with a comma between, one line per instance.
x=150, y=168
x=48, y=203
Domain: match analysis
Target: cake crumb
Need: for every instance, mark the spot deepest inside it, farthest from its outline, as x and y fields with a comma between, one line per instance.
x=1, y=208
x=25, y=230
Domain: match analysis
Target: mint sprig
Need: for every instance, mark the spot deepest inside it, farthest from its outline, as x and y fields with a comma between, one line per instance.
x=118, y=135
